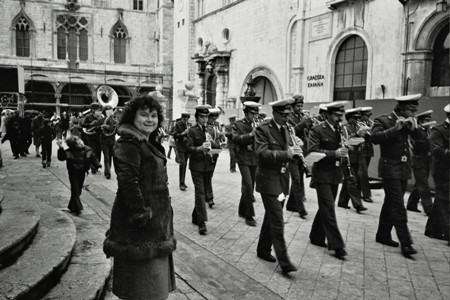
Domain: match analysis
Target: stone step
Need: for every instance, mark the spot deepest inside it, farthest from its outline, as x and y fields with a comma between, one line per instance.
x=18, y=224
x=41, y=265
x=88, y=272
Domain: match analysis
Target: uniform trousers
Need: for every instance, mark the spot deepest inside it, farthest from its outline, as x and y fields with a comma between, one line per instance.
x=107, y=149
x=209, y=189
x=421, y=187
x=350, y=189
x=46, y=151
x=325, y=222
x=232, y=159
x=200, y=180
x=183, y=158
x=438, y=221
x=272, y=230
x=297, y=192
x=363, y=177
x=393, y=212
x=76, y=178
x=248, y=174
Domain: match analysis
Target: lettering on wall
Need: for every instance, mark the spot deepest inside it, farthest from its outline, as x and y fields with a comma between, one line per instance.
x=315, y=80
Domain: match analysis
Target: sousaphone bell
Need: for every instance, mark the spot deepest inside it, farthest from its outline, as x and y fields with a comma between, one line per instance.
x=106, y=95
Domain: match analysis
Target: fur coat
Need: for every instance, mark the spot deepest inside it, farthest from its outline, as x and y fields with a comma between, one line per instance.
x=142, y=218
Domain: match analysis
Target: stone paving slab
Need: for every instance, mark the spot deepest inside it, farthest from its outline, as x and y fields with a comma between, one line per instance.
x=371, y=271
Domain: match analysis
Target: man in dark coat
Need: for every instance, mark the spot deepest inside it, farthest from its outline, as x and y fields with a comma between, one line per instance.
x=108, y=137
x=230, y=144
x=296, y=171
x=350, y=188
x=393, y=132
x=243, y=135
x=326, y=176
x=272, y=181
x=180, y=131
x=27, y=133
x=92, y=130
x=438, y=221
x=14, y=133
x=421, y=164
x=367, y=152
x=201, y=164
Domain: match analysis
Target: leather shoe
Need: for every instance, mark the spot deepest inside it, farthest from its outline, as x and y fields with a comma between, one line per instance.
x=250, y=222
x=202, y=229
x=391, y=243
x=340, y=252
x=303, y=215
x=407, y=251
x=288, y=268
x=360, y=209
x=413, y=209
x=182, y=188
x=320, y=244
x=211, y=203
x=368, y=199
x=267, y=257
x=108, y=176
x=344, y=206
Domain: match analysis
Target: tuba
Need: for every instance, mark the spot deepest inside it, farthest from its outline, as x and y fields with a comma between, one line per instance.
x=106, y=95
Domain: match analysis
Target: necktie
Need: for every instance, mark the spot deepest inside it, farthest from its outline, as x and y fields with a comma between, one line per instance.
x=283, y=134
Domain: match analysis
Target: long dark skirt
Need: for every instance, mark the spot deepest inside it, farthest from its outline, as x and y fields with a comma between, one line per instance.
x=144, y=279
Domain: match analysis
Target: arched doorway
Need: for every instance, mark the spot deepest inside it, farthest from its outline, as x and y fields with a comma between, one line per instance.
x=440, y=75
x=77, y=96
x=211, y=90
x=39, y=92
x=350, y=77
x=265, y=89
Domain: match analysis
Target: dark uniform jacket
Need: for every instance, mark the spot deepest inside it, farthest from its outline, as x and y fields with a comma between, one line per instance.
x=272, y=176
x=439, y=142
x=394, y=147
x=295, y=119
x=421, y=148
x=229, y=135
x=367, y=146
x=323, y=138
x=245, y=143
x=199, y=161
x=180, y=139
x=92, y=124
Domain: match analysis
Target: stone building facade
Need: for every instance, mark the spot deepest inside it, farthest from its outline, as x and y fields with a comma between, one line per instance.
x=325, y=50
x=69, y=48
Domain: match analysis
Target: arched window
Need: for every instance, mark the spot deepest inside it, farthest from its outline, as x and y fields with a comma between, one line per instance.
x=120, y=44
x=351, y=70
x=22, y=37
x=440, y=75
x=72, y=38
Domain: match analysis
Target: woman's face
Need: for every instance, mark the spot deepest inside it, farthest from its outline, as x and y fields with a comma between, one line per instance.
x=146, y=121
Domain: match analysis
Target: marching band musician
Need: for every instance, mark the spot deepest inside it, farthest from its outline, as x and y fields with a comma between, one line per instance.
x=296, y=171
x=392, y=132
x=272, y=182
x=302, y=129
x=92, y=130
x=438, y=222
x=180, y=135
x=367, y=154
x=243, y=135
x=262, y=117
x=200, y=163
x=421, y=164
x=108, y=137
x=215, y=131
x=326, y=176
x=230, y=144
x=350, y=189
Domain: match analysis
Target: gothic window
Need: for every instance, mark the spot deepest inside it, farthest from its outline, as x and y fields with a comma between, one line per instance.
x=22, y=37
x=351, y=70
x=440, y=75
x=72, y=38
x=120, y=45
x=138, y=4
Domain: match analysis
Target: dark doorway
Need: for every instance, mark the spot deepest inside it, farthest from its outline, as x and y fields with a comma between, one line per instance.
x=211, y=90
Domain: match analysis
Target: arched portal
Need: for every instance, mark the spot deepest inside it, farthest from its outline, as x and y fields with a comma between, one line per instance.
x=39, y=92
x=440, y=75
x=265, y=89
x=76, y=95
x=211, y=90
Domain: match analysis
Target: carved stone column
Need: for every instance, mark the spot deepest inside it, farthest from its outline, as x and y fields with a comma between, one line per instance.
x=222, y=86
x=201, y=65
x=58, y=104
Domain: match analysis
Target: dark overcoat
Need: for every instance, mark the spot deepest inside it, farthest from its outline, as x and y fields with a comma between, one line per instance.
x=272, y=175
x=439, y=142
x=323, y=138
x=180, y=138
x=245, y=143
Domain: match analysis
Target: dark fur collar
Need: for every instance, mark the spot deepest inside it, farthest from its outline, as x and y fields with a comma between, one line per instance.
x=129, y=131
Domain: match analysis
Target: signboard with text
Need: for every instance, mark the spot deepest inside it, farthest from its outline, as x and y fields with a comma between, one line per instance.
x=320, y=27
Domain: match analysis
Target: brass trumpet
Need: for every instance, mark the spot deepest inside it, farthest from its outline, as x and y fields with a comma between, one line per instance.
x=295, y=139
x=346, y=159
x=360, y=125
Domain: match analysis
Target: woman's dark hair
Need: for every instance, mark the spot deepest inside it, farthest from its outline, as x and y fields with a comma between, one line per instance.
x=141, y=102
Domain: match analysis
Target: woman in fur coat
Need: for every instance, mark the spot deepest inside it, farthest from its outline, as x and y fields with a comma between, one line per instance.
x=140, y=237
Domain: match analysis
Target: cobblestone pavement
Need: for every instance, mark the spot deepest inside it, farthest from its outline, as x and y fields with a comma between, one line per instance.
x=224, y=262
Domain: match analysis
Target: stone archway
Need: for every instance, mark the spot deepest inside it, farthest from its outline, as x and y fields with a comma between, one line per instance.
x=267, y=76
